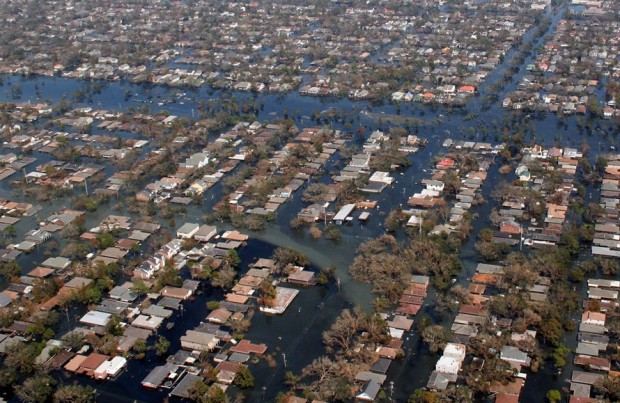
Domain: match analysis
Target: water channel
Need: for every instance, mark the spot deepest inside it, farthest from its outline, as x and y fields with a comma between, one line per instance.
x=296, y=334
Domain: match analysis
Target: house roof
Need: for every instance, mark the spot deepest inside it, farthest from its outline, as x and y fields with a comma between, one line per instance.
x=440, y=381
x=75, y=363
x=93, y=361
x=365, y=376
x=247, y=347
x=79, y=282
x=506, y=398
x=176, y=292
x=57, y=262
x=220, y=315
x=381, y=366
x=40, y=272
x=182, y=389
x=157, y=376
x=369, y=392
x=401, y=322
x=593, y=316
x=96, y=318
x=587, y=378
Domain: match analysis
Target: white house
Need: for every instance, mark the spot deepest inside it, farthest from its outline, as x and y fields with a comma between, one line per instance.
x=205, y=233
x=448, y=365
x=435, y=185
x=196, y=161
x=455, y=350
x=383, y=177
x=514, y=355
x=187, y=230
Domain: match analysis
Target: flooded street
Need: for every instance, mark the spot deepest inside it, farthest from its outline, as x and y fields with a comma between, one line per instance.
x=294, y=338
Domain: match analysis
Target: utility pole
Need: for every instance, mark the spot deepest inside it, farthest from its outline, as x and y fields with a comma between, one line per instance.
x=420, y=221
x=284, y=359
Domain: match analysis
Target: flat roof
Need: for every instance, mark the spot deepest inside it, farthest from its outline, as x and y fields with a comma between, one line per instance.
x=96, y=318
x=344, y=212
x=147, y=322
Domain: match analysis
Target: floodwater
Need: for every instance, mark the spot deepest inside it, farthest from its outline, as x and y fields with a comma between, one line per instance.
x=294, y=338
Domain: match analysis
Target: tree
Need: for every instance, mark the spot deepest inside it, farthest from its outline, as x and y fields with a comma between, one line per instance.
x=436, y=337
x=73, y=340
x=232, y=258
x=291, y=379
x=610, y=386
x=333, y=233
x=76, y=250
x=315, y=193
x=490, y=251
x=297, y=224
x=161, y=346
x=198, y=391
x=21, y=357
x=341, y=333
x=321, y=369
x=10, y=269
x=422, y=396
x=244, y=378
x=105, y=240
x=140, y=348
x=8, y=377
x=169, y=277
x=74, y=394
x=554, y=396
x=394, y=220
x=224, y=277
x=36, y=389
x=284, y=256
x=559, y=356
x=139, y=287
x=267, y=293
x=551, y=330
